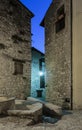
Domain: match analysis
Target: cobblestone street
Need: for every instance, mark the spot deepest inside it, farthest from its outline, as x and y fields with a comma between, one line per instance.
x=70, y=121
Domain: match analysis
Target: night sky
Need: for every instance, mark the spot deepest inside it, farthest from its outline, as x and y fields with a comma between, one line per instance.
x=39, y=8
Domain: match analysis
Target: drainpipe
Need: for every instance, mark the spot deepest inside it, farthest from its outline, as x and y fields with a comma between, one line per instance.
x=71, y=20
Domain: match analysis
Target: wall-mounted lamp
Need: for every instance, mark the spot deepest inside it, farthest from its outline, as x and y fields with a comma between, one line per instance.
x=41, y=73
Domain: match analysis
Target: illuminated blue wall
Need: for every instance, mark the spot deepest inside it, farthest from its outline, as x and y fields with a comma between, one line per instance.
x=35, y=74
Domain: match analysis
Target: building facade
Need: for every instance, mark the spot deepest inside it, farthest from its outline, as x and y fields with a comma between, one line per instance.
x=63, y=39
x=38, y=74
x=15, y=49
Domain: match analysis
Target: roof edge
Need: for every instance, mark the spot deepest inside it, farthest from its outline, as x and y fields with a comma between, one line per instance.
x=33, y=48
x=42, y=22
x=32, y=15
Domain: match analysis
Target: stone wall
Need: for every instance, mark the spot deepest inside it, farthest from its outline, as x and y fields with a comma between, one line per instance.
x=15, y=44
x=58, y=56
x=35, y=73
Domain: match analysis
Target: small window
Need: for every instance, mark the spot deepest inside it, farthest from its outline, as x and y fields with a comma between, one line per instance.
x=60, y=11
x=39, y=93
x=60, y=23
x=18, y=67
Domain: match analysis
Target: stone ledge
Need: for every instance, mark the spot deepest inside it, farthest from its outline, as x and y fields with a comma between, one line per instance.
x=6, y=104
x=33, y=112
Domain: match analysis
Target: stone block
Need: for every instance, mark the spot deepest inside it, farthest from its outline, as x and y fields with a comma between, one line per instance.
x=6, y=104
x=52, y=110
x=31, y=111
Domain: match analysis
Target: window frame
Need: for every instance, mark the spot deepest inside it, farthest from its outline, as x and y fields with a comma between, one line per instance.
x=18, y=67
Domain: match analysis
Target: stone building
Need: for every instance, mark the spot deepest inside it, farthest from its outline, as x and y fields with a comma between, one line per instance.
x=15, y=49
x=38, y=74
x=63, y=42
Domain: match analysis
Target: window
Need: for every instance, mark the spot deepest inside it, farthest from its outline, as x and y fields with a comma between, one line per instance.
x=60, y=23
x=39, y=93
x=60, y=11
x=42, y=71
x=18, y=67
x=42, y=81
